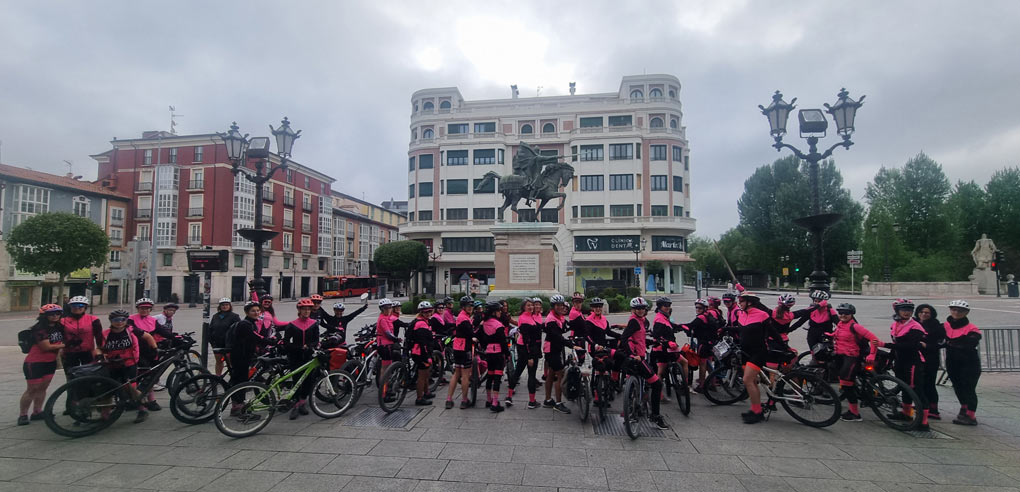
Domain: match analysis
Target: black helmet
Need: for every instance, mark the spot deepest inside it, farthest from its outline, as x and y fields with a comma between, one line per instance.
x=267, y=297
x=663, y=301
x=251, y=304
x=493, y=305
x=466, y=301
x=596, y=301
x=119, y=313
x=846, y=308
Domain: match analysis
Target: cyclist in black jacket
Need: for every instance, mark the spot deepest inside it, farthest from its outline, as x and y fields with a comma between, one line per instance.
x=926, y=315
x=337, y=322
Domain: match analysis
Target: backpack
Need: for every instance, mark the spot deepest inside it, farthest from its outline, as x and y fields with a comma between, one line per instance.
x=863, y=344
x=230, y=337
x=25, y=340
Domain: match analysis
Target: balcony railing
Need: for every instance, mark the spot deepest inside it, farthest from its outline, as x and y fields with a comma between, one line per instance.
x=143, y=214
x=116, y=241
x=143, y=186
x=306, y=206
x=194, y=240
x=267, y=220
x=288, y=223
x=116, y=221
x=306, y=249
x=288, y=200
x=268, y=196
x=350, y=234
x=195, y=211
x=196, y=184
x=306, y=227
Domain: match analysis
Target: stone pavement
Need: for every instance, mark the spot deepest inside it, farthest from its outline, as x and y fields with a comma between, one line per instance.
x=519, y=449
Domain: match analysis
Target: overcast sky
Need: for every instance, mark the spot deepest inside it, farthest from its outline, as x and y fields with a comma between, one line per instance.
x=939, y=76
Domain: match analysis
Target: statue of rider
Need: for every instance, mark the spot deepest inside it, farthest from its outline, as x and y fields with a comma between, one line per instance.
x=529, y=163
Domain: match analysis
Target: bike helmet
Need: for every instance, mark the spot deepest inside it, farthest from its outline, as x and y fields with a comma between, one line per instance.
x=536, y=299
x=819, y=295
x=119, y=314
x=638, y=303
x=423, y=305
x=577, y=297
x=339, y=306
x=729, y=297
x=557, y=299
x=79, y=300
x=145, y=301
x=846, y=308
x=466, y=301
x=901, y=303
x=305, y=303
x=267, y=297
x=315, y=298
x=479, y=304
x=492, y=306
x=250, y=304
x=714, y=301
x=447, y=300
x=749, y=295
x=224, y=300
x=787, y=299
x=173, y=305
x=596, y=301
x=959, y=304
x=701, y=302
x=663, y=301
x=50, y=309
x=384, y=303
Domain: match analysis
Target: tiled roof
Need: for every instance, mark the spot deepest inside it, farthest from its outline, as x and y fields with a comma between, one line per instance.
x=53, y=180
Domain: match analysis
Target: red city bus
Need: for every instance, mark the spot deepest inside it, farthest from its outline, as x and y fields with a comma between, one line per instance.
x=348, y=286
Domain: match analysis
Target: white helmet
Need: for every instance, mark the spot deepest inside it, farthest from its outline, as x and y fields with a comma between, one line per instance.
x=424, y=305
x=557, y=299
x=143, y=301
x=79, y=300
x=384, y=302
x=701, y=302
x=339, y=306
x=959, y=303
x=638, y=302
x=788, y=299
x=224, y=300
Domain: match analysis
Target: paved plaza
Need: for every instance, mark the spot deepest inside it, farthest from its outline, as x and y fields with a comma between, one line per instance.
x=521, y=449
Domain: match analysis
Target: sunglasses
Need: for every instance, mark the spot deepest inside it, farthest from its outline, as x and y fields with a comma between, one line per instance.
x=118, y=320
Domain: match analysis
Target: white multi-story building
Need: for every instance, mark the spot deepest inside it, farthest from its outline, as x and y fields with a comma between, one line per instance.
x=631, y=184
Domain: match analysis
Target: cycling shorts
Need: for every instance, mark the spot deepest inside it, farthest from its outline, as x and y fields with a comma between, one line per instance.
x=38, y=372
x=663, y=357
x=461, y=358
x=554, y=360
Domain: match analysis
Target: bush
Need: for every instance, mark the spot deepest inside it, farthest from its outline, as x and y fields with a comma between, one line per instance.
x=608, y=293
x=632, y=292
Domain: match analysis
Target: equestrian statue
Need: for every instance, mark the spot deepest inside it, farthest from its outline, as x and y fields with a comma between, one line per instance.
x=535, y=177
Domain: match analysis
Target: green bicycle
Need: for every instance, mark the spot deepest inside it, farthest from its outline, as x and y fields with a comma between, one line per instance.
x=248, y=407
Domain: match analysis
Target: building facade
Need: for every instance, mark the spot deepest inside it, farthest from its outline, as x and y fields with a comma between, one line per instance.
x=24, y=193
x=361, y=228
x=631, y=185
x=184, y=186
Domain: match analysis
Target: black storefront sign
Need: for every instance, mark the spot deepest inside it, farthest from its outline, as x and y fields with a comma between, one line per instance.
x=668, y=243
x=584, y=244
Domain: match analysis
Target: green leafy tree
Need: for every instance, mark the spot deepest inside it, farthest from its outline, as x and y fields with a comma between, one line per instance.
x=57, y=242
x=1003, y=210
x=402, y=259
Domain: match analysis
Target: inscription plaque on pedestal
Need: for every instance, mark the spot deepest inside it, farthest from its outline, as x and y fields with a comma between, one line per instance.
x=523, y=268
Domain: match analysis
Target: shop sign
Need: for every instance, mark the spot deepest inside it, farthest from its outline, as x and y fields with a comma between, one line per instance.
x=667, y=243
x=583, y=244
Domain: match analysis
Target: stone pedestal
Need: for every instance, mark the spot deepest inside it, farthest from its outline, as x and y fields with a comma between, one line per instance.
x=524, y=259
x=986, y=280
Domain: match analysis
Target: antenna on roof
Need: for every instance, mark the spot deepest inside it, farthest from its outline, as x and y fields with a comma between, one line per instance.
x=70, y=171
x=573, y=88
x=173, y=121
x=513, y=91
x=538, y=91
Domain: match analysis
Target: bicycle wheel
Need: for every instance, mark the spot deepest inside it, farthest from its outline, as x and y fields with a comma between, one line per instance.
x=809, y=399
x=84, y=406
x=436, y=372
x=393, y=388
x=601, y=396
x=474, y=382
x=250, y=414
x=194, y=400
x=584, y=399
x=183, y=373
x=334, y=395
x=681, y=390
x=725, y=386
x=631, y=404
x=886, y=394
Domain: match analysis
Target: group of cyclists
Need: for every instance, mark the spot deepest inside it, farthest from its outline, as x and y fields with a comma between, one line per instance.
x=486, y=331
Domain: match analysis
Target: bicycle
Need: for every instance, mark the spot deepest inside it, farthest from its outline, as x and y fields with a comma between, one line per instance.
x=399, y=379
x=603, y=389
x=678, y=380
x=364, y=364
x=332, y=395
x=92, y=401
x=576, y=382
x=635, y=404
x=724, y=385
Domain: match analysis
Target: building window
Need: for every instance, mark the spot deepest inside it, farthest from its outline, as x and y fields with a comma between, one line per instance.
x=593, y=211
x=592, y=152
x=288, y=241
x=427, y=134
x=483, y=213
x=655, y=93
x=660, y=210
x=678, y=211
x=621, y=210
x=485, y=156
x=678, y=154
x=621, y=151
x=306, y=243
x=116, y=236
x=687, y=163
x=655, y=122
x=636, y=94
x=307, y=185
x=678, y=184
x=659, y=182
x=672, y=94
x=548, y=128
x=195, y=233
x=500, y=156
x=425, y=161
x=487, y=127
x=410, y=163
x=80, y=206
x=114, y=256
x=148, y=157
x=410, y=191
x=457, y=158
x=199, y=151
x=456, y=187
x=526, y=128
x=117, y=215
x=238, y=260
x=457, y=128
x=173, y=155
x=674, y=123
x=444, y=105
x=489, y=187
x=624, y=120
x=144, y=232
x=591, y=122
x=621, y=181
x=424, y=215
x=166, y=233
x=166, y=206
x=425, y=189
x=467, y=245
x=304, y=263
x=591, y=182
x=657, y=152
x=456, y=214
x=287, y=259
x=428, y=106
x=168, y=259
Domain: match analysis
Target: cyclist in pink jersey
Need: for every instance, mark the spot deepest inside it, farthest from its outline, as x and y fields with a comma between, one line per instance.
x=963, y=363
x=385, y=336
x=300, y=339
x=528, y=344
x=908, y=344
x=41, y=362
x=148, y=355
x=463, y=332
x=420, y=338
x=848, y=338
x=492, y=341
x=555, y=327
x=633, y=345
x=83, y=334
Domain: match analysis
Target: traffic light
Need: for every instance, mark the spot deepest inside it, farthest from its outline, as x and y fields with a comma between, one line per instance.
x=997, y=258
x=95, y=278
x=796, y=269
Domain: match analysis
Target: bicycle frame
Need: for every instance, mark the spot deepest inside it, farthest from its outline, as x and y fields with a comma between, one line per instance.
x=305, y=370
x=765, y=380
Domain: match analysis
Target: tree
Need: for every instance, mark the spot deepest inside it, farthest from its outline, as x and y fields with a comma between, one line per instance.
x=57, y=242
x=1003, y=209
x=402, y=259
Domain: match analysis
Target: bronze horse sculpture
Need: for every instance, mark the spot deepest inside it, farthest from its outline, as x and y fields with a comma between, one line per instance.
x=515, y=187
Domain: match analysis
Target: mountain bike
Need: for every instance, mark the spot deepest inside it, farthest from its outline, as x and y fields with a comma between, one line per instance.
x=724, y=385
x=576, y=382
x=256, y=403
x=678, y=381
x=364, y=363
x=91, y=401
x=635, y=404
x=194, y=400
x=398, y=380
x=603, y=389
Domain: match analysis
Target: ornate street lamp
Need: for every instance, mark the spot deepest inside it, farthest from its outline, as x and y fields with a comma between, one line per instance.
x=636, y=247
x=241, y=149
x=812, y=127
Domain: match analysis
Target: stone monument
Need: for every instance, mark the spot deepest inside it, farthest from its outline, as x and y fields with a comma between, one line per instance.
x=983, y=254
x=525, y=254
